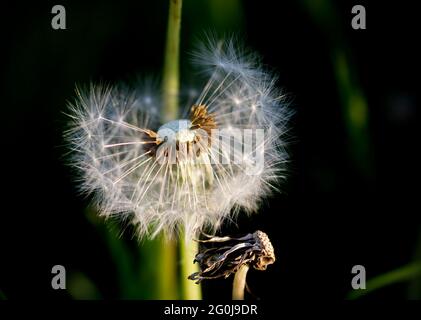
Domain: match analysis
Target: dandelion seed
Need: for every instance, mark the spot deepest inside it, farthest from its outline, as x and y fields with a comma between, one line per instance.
x=184, y=174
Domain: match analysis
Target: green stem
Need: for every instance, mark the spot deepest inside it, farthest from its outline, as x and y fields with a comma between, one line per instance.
x=188, y=250
x=167, y=288
x=166, y=251
x=239, y=283
x=404, y=273
x=171, y=79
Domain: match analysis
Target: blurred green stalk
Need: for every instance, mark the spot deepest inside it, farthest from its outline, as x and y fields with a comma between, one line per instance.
x=354, y=103
x=171, y=76
x=355, y=111
x=124, y=262
x=188, y=250
x=166, y=254
x=171, y=84
x=404, y=273
x=166, y=268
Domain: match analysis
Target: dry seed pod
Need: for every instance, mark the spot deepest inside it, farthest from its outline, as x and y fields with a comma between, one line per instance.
x=228, y=255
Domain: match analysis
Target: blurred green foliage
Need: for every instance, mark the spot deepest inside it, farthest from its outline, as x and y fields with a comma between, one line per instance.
x=405, y=273
x=137, y=270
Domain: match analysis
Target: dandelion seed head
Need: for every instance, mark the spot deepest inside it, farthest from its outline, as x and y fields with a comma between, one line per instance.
x=176, y=130
x=191, y=173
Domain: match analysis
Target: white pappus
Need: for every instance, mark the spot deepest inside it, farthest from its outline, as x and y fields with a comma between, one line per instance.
x=222, y=157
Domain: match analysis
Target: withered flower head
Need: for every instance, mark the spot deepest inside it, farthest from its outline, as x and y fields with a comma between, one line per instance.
x=229, y=254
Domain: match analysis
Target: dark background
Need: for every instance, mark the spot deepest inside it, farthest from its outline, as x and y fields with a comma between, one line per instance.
x=340, y=206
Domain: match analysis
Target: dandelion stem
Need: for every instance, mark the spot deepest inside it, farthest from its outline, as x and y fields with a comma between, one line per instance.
x=171, y=62
x=167, y=269
x=188, y=250
x=171, y=79
x=239, y=284
x=166, y=255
